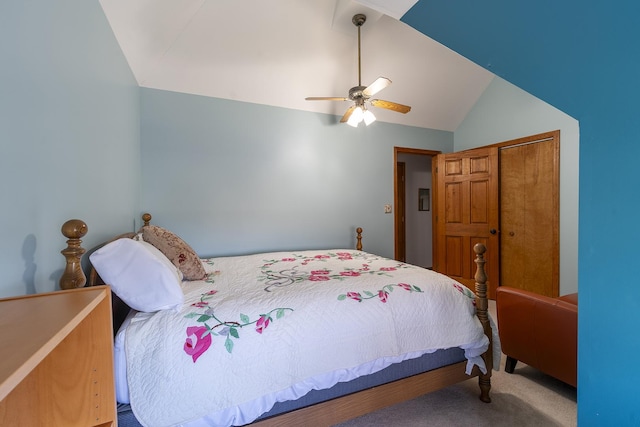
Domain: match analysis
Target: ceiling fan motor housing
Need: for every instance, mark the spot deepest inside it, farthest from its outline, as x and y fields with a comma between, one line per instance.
x=356, y=93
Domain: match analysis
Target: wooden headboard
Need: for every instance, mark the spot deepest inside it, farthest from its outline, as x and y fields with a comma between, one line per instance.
x=74, y=277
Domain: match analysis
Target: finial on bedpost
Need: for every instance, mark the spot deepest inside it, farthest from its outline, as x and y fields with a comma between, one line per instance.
x=359, y=238
x=146, y=218
x=73, y=276
x=482, y=307
x=481, y=276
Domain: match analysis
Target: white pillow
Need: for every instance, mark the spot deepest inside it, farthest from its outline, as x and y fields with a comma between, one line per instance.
x=145, y=280
x=163, y=258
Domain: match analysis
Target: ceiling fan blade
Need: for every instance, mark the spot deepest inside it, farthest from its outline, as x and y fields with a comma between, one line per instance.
x=377, y=86
x=390, y=106
x=326, y=98
x=347, y=114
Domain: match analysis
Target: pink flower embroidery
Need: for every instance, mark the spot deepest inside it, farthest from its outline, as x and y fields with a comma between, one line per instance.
x=383, y=295
x=354, y=295
x=212, y=292
x=344, y=256
x=350, y=273
x=387, y=269
x=288, y=259
x=321, y=256
x=318, y=278
x=200, y=304
x=319, y=272
x=262, y=324
x=196, y=344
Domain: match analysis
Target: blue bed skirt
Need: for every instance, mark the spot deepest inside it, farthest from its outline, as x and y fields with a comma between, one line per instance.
x=391, y=373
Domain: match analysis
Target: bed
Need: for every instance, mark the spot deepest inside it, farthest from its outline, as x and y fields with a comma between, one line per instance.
x=313, y=337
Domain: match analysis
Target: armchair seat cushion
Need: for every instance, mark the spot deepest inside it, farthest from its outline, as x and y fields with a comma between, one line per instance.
x=539, y=331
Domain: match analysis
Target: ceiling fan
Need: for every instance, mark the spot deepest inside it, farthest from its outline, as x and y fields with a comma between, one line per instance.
x=358, y=112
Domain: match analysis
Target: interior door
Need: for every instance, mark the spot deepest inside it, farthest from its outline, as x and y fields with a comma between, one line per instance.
x=467, y=212
x=530, y=215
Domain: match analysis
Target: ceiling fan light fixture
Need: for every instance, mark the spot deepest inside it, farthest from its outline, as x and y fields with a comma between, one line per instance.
x=368, y=117
x=356, y=117
x=359, y=115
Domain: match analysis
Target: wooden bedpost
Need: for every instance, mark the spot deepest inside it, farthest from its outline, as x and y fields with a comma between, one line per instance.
x=73, y=276
x=359, y=238
x=482, y=308
x=146, y=218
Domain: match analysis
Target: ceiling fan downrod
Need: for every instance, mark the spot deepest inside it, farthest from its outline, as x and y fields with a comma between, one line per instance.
x=358, y=20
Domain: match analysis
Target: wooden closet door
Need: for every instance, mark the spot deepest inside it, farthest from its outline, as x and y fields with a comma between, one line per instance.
x=529, y=216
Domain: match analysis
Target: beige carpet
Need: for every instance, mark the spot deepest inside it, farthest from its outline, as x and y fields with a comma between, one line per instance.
x=525, y=398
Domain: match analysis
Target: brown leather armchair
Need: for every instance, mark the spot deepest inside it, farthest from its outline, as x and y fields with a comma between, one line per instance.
x=539, y=331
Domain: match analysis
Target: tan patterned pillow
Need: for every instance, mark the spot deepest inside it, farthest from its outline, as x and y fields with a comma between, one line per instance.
x=176, y=249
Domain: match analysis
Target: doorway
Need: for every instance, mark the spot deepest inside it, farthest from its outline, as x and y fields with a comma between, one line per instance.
x=413, y=207
x=527, y=253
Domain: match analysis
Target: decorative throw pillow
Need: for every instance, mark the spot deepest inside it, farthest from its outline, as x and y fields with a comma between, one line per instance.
x=176, y=249
x=145, y=280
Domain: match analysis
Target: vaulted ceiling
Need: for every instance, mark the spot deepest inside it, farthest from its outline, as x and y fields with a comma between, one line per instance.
x=277, y=52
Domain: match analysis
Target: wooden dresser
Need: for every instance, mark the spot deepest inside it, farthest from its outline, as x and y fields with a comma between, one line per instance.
x=56, y=359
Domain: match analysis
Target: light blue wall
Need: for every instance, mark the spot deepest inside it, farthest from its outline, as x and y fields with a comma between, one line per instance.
x=581, y=57
x=69, y=136
x=232, y=177
x=505, y=112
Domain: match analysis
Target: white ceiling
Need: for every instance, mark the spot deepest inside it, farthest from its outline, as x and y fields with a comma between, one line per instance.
x=277, y=52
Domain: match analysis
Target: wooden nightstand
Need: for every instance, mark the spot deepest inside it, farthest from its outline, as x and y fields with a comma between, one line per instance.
x=56, y=359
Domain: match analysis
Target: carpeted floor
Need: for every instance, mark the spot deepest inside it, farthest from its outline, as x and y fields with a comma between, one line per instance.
x=525, y=398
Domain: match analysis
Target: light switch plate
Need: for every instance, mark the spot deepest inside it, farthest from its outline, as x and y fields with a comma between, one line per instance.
x=387, y=208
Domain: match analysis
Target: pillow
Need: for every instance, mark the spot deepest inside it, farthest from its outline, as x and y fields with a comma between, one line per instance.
x=142, y=279
x=163, y=259
x=177, y=250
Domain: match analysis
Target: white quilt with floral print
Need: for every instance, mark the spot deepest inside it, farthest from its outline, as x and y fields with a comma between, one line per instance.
x=271, y=327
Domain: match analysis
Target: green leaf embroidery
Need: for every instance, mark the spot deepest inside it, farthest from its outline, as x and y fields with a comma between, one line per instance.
x=229, y=328
x=228, y=344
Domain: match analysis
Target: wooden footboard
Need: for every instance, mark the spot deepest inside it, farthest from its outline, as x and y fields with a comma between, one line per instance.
x=346, y=407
